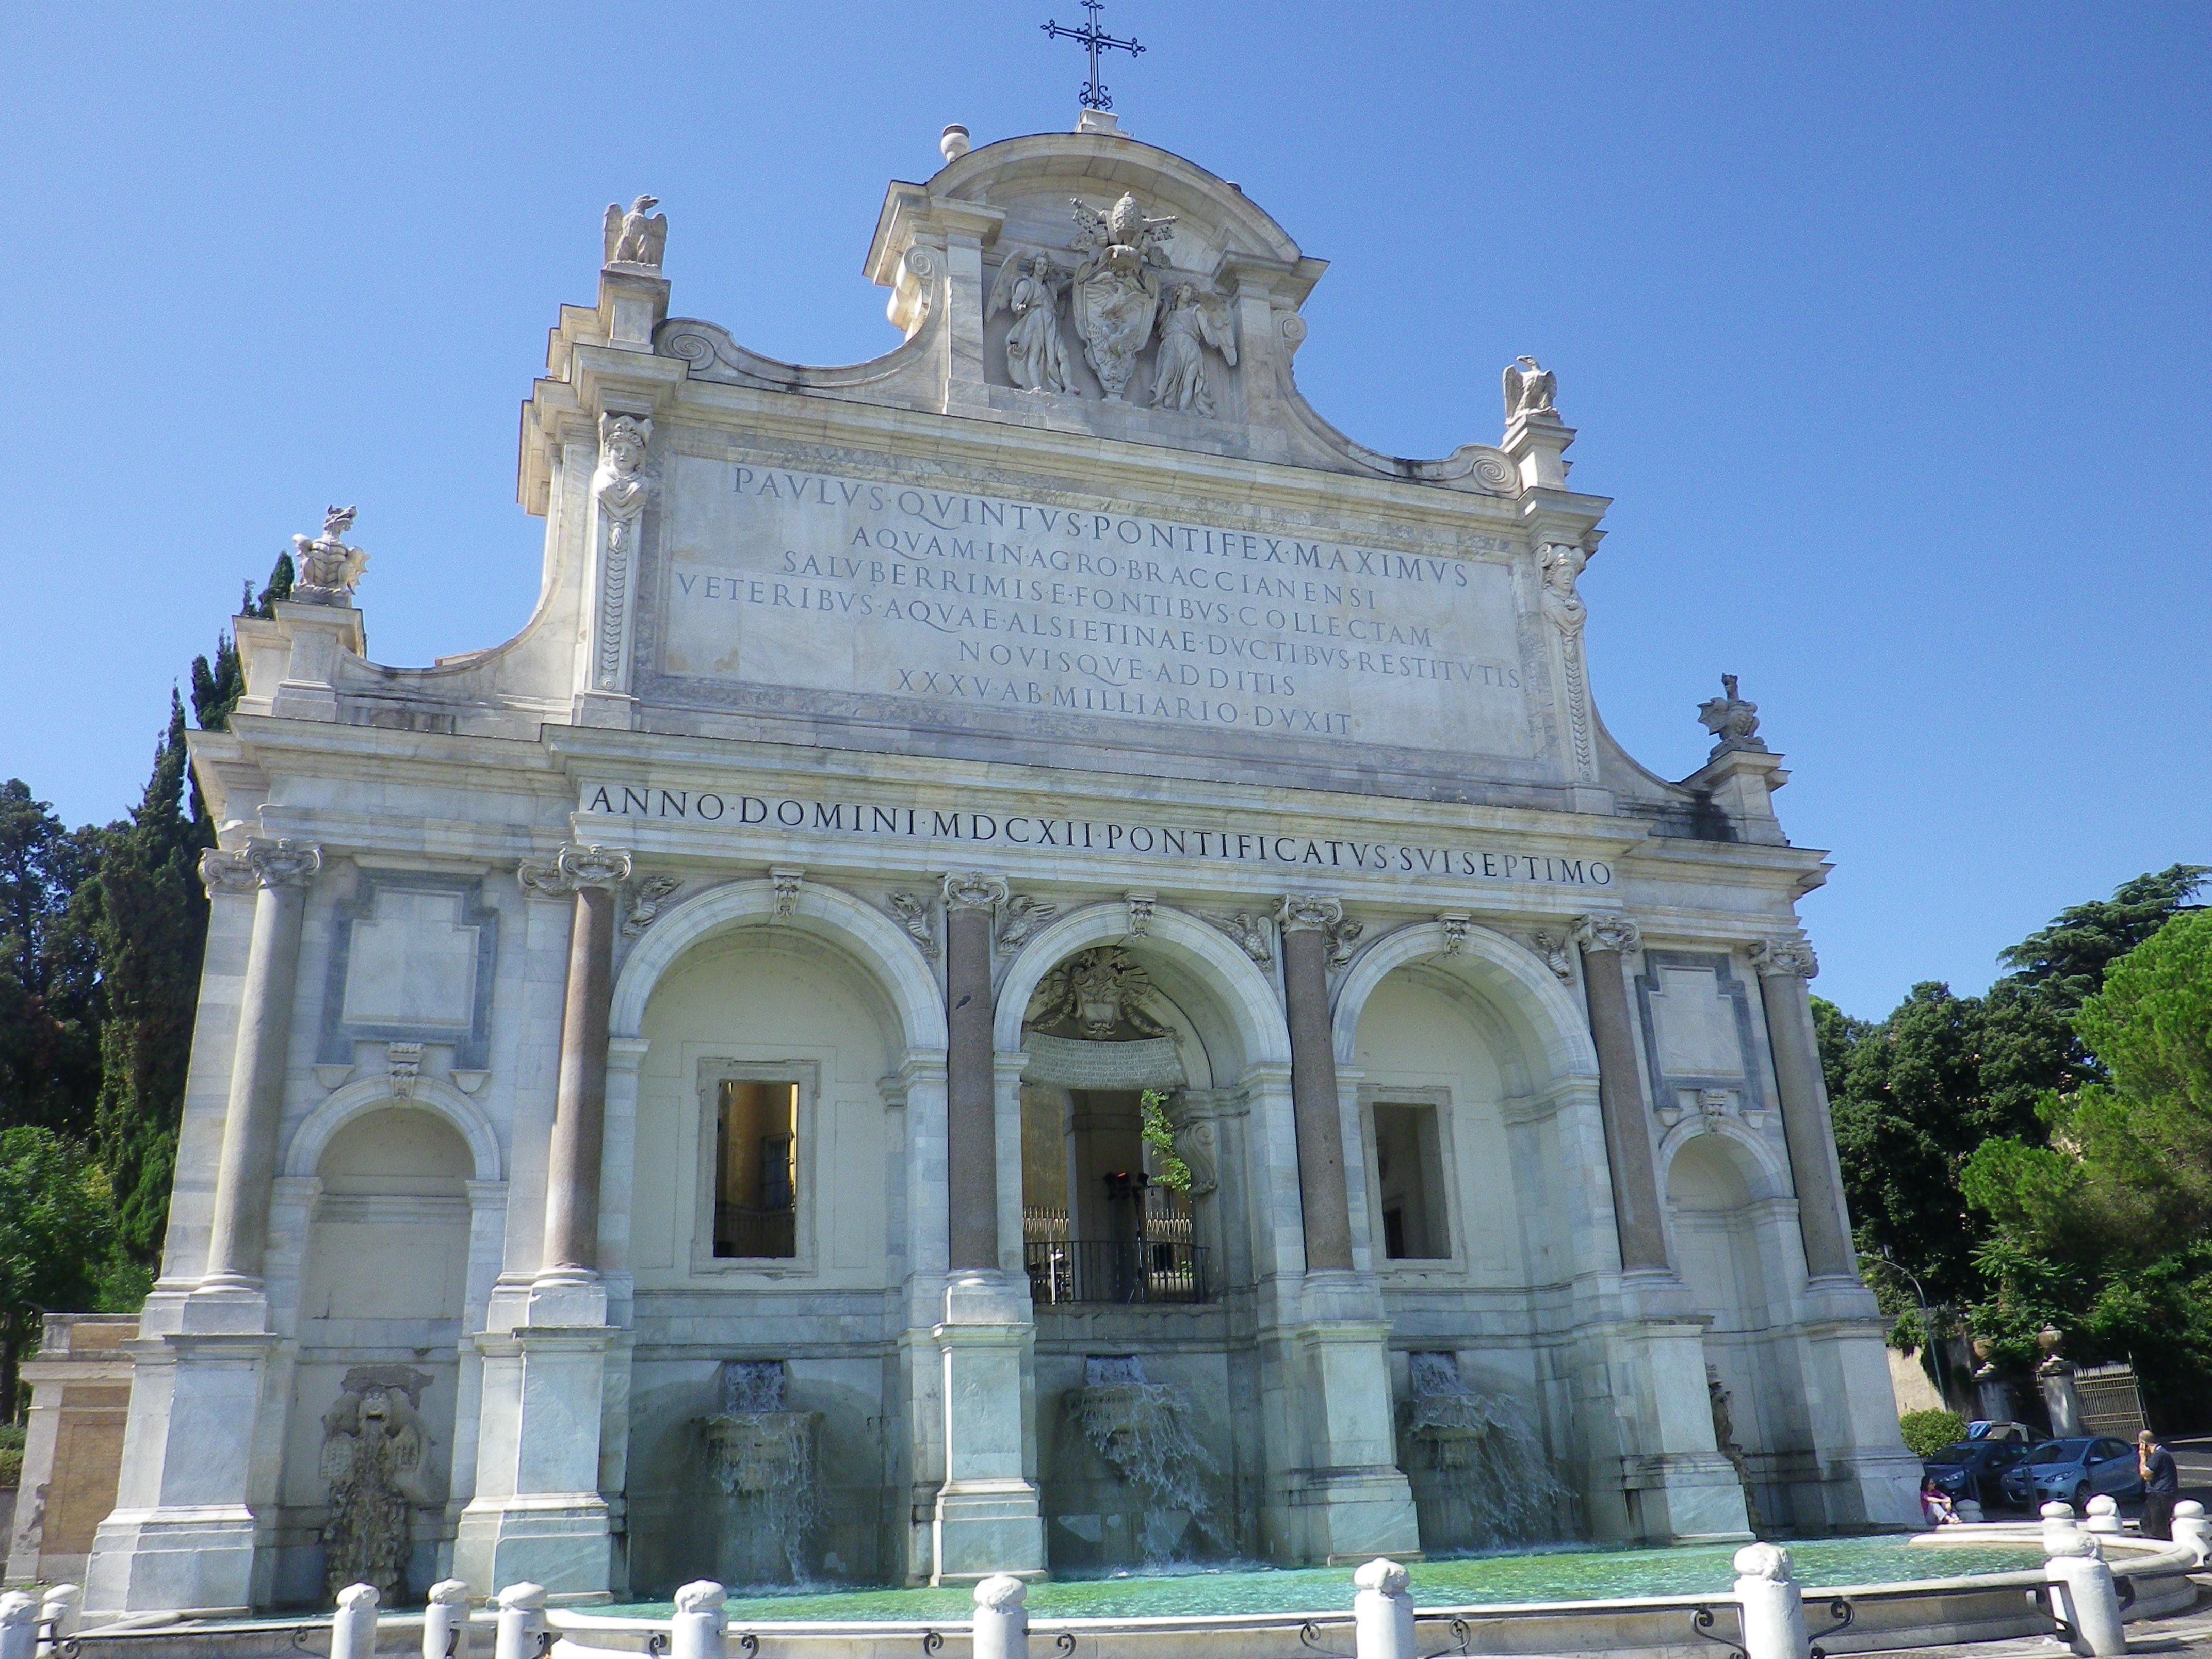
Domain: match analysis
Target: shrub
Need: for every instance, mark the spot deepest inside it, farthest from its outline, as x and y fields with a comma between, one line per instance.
x=1927, y=1433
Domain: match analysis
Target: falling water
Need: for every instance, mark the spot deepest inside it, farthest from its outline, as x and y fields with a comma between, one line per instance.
x=1142, y=1430
x=1478, y=1464
x=762, y=1456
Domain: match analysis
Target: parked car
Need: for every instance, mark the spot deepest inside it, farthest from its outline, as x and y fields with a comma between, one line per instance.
x=1987, y=1428
x=2072, y=1471
x=1975, y=1468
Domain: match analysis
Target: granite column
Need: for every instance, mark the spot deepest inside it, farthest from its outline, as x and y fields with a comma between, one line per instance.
x=579, y=1107
x=970, y=1081
x=1639, y=1214
x=1308, y=925
x=1784, y=966
x=239, y=1235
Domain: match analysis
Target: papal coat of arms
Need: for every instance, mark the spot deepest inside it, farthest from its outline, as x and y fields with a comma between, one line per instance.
x=1116, y=293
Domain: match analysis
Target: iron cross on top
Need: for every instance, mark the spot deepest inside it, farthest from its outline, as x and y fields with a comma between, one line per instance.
x=1096, y=40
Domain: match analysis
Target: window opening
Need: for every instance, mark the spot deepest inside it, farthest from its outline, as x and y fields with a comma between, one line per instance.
x=1407, y=1165
x=756, y=1170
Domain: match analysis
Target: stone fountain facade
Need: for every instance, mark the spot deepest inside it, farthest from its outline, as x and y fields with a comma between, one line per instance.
x=1032, y=848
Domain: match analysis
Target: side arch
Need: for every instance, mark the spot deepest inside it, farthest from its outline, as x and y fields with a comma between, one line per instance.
x=828, y=913
x=371, y=1094
x=1541, y=1012
x=1765, y=1174
x=1242, y=992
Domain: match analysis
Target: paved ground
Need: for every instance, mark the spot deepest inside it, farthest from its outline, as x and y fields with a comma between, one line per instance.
x=2180, y=1632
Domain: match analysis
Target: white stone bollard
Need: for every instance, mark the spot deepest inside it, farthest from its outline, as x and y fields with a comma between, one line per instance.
x=2104, y=1515
x=1002, y=1617
x=2088, y=1599
x=61, y=1611
x=1382, y=1613
x=19, y=1626
x=1968, y=1511
x=1773, y=1608
x=522, y=1617
x=446, y=1621
x=352, y=1626
x=2192, y=1531
x=2058, y=1528
x=696, y=1632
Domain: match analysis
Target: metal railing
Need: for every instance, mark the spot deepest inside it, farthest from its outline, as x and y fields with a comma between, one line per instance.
x=741, y=1229
x=1115, y=1270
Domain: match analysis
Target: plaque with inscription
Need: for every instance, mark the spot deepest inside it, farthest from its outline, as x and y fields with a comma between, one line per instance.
x=815, y=592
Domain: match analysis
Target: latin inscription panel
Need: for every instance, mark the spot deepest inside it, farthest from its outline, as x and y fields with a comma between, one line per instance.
x=843, y=584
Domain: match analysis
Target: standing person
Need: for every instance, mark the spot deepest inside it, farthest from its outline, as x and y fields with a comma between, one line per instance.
x=2161, y=1485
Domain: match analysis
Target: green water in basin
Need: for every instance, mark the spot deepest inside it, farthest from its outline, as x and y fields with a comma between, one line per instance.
x=1577, y=1575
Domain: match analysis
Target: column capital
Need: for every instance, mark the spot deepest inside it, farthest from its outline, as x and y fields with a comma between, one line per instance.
x=973, y=890
x=572, y=868
x=1615, y=933
x=223, y=871
x=1323, y=914
x=282, y=863
x=1780, y=958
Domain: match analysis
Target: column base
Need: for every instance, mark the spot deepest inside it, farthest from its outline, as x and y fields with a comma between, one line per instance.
x=1686, y=1497
x=988, y=1515
x=1347, y=1516
x=173, y=1560
x=1867, y=1490
x=984, y=1528
x=563, y=1540
x=1347, y=1497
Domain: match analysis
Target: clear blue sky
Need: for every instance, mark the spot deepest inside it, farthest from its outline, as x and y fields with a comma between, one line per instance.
x=1885, y=325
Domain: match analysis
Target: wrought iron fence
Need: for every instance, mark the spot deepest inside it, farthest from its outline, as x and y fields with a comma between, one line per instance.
x=1116, y=1270
x=741, y=1229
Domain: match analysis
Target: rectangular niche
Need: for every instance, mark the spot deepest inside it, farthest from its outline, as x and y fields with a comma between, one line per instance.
x=412, y=959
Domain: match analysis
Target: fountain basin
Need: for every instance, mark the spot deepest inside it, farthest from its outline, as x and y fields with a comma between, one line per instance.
x=1963, y=1585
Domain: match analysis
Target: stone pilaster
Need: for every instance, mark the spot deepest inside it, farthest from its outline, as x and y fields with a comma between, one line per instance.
x=1784, y=967
x=1638, y=1214
x=1308, y=923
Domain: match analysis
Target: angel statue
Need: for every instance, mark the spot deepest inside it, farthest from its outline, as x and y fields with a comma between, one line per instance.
x=1036, y=357
x=1191, y=321
x=328, y=568
x=373, y=1446
x=1116, y=293
x=633, y=239
x=1529, y=389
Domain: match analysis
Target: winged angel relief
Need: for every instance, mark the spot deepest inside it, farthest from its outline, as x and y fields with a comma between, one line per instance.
x=1036, y=357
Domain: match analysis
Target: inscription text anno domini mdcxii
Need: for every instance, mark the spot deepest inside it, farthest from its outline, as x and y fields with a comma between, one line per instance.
x=841, y=584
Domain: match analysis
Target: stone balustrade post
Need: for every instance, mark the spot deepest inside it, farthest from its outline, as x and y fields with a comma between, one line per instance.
x=352, y=1626
x=697, y=1629
x=61, y=1610
x=522, y=1617
x=1309, y=924
x=1773, y=1608
x=446, y=1621
x=1383, y=1611
x=2087, y=1597
x=593, y=874
x=1002, y=1618
x=2192, y=1531
x=1784, y=967
x=970, y=1072
x=280, y=871
x=1638, y=1214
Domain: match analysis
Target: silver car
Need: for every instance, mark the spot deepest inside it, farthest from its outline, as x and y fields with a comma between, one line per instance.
x=2073, y=1471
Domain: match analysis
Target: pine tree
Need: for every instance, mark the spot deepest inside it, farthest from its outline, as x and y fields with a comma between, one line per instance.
x=148, y=914
x=49, y=970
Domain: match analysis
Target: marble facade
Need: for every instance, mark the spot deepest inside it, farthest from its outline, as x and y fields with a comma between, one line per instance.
x=856, y=702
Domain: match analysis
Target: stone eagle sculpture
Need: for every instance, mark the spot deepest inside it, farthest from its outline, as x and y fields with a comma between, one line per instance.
x=1529, y=387
x=635, y=238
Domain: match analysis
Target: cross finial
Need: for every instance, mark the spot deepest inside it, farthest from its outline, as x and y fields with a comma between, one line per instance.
x=1095, y=41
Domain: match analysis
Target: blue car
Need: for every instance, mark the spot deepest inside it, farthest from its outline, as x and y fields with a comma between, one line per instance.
x=2074, y=1471
x=1974, y=1468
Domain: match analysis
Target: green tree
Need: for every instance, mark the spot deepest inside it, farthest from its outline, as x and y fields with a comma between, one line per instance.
x=49, y=969
x=2104, y=1227
x=1836, y=1033
x=148, y=914
x=56, y=1229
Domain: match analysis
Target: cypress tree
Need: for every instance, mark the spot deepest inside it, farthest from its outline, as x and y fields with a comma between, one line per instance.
x=148, y=914
x=49, y=971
